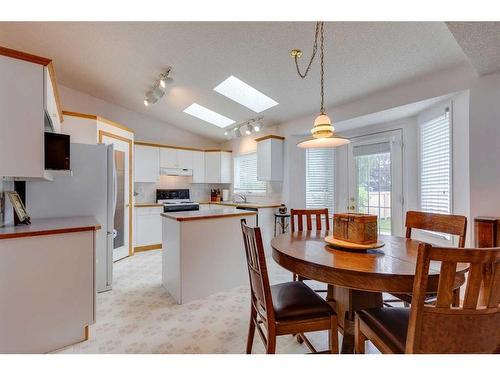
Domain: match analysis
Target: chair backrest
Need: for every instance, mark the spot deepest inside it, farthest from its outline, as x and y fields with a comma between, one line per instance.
x=257, y=271
x=299, y=215
x=449, y=224
x=472, y=327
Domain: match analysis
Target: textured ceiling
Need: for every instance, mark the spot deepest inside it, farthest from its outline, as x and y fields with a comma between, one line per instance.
x=481, y=43
x=118, y=62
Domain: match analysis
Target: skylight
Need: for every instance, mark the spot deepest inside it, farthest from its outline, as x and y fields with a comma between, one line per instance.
x=208, y=115
x=244, y=94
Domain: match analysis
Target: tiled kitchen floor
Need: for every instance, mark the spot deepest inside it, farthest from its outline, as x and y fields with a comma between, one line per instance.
x=139, y=316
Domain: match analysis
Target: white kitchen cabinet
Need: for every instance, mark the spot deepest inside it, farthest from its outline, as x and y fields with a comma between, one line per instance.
x=147, y=163
x=218, y=167
x=148, y=226
x=22, y=117
x=270, y=158
x=168, y=157
x=225, y=167
x=198, y=167
x=48, y=285
x=185, y=159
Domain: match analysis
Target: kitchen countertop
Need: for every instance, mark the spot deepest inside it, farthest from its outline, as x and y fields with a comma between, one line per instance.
x=206, y=214
x=249, y=204
x=150, y=204
x=43, y=227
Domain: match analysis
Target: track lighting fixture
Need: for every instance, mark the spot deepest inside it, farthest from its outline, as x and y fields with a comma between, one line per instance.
x=158, y=89
x=244, y=128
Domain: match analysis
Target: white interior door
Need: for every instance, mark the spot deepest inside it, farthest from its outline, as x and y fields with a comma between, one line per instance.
x=123, y=198
x=375, y=165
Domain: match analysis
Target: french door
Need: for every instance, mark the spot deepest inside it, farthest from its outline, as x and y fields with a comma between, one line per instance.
x=375, y=165
x=122, y=205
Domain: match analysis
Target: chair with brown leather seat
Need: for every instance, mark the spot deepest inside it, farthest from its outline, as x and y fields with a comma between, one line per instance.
x=473, y=327
x=297, y=224
x=283, y=309
x=441, y=223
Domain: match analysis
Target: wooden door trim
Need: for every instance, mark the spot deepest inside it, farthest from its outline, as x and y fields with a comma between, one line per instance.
x=103, y=133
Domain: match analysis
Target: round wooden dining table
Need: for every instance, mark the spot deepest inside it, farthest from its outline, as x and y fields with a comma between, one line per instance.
x=356, y=280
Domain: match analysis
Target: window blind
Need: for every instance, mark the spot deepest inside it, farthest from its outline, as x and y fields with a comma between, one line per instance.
x=319, y=178
x=245, y=174
x=435, y=165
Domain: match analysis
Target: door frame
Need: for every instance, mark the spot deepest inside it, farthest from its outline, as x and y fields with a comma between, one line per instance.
x=395, y=137
x=103, y=133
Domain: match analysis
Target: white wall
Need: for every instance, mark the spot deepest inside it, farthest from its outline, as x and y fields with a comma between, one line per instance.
x=484, y=132
x=146, y=128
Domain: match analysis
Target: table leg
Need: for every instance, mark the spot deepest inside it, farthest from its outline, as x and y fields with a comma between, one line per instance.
x=346, y=302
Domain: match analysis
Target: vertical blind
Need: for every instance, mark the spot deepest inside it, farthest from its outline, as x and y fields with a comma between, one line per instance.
x=245, y=174
x=319, y=178
x=435, y=165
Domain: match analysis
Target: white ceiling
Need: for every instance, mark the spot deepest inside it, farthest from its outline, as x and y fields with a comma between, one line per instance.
x=118, y=62
x=481, y=43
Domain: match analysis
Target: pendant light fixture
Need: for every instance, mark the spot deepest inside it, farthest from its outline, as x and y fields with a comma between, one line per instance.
x=323, y=132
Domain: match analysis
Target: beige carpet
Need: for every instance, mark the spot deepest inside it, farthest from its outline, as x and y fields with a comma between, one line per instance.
x=139, y=316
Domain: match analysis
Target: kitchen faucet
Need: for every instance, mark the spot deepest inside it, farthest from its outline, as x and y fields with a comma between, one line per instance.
x=242, y=196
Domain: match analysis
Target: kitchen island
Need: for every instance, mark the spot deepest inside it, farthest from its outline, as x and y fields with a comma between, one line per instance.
x=203, y=252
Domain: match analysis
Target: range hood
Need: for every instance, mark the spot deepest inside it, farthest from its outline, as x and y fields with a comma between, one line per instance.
x=176, y=172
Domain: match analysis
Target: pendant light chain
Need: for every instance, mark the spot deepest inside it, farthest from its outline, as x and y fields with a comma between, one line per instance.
x=297, y=54
x=323, y=132
x=322, y=72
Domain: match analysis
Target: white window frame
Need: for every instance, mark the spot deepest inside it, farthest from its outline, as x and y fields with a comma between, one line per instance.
x=237, y=190
x=422, y=119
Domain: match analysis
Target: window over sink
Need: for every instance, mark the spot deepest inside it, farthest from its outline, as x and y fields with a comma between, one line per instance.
x=245, y=175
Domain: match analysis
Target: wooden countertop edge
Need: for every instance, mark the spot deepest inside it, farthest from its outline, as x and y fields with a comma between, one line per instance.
x=212, y=216
x=148, y=205
x=249, y=205
x=46, y=232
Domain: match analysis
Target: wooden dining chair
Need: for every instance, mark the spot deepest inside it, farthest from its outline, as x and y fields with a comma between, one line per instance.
x=297, y=223
x=473, y=327
x=447, y=224
x=282, y=309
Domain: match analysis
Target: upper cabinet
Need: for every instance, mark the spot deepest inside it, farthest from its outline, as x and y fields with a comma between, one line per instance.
x=176, y=158
x=270, y=158
x=198, y=167
x=151, y=160
x=27, y=93
x=185, y=159
x=168, y=157
x=218, y=167
x=147, y=163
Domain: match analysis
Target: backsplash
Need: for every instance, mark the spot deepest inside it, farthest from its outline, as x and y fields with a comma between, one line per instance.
x=198, y=192
x=201, y=192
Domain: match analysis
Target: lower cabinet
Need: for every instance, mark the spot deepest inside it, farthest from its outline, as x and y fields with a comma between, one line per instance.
x=148, y=229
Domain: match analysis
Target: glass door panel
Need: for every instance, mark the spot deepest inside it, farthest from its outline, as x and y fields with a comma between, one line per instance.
x=375, y=179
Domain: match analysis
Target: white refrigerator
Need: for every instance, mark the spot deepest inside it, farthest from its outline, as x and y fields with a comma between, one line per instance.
x=89, y=191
